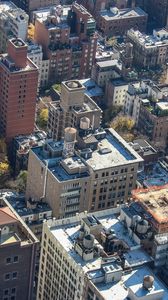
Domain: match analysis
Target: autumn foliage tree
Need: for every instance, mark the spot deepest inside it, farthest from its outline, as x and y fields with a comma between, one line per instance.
x=42, y=118
x=124, y=126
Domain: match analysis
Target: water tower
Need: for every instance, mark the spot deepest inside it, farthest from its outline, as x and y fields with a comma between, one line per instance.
x=69, y=141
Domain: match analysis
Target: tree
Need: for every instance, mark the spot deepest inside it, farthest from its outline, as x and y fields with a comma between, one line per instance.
x=4, y=168
x=57, y=87
x=43, y=118
x=123, y=124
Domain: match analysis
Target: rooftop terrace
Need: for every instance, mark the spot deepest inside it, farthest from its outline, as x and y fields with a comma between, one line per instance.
x=155, y=175
x=155, y=202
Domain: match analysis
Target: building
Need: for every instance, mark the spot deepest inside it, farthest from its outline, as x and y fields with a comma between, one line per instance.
x=133, y=97
x=90, y=170
x=116, y=91
x=103, y=71
x=93, y=256
x=18, y=82
x=157, y=11
x=33, y=214
x=153, y=122
x=35, y=53
x=75, y=103
x=154, y=202
x=13, y=23
x=68, y=38
x=95, y=7
x=17, y=256
x=30, y=5
x=149, y=50
x=146, y=151
x=105, y=52
x=146, y=104
x=116, y=21
x=21, y=146
x=93, y=91
x=145, y=219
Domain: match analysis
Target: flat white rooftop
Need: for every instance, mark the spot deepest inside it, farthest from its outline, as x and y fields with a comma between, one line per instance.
x=132, y=280
x=66, y=235
x=112, y=151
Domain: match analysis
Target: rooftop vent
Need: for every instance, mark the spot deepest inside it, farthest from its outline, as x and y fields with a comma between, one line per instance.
x=73, y=84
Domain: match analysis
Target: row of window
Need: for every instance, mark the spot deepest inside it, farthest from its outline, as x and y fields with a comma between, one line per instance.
x=12, y=275
x=13, y=259
x=125, y=170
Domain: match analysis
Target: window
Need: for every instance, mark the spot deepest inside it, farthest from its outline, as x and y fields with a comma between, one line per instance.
x=13, y=298
x=14, y=275
x=7, y=276
x=8, y=260
x=15, y=259
x=13, y=290
x=6, y=292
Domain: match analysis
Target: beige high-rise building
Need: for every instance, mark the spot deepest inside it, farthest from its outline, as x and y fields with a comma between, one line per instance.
x=95, y=257
x=91, y=169
x=74, y=104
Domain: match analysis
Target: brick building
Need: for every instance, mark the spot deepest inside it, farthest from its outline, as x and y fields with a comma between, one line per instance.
x=17, y=256
x=67, y=35
x=116, y=21
x=18, y=88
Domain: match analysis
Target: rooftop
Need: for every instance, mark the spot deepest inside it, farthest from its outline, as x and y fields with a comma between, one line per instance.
x=116, y=13
x=7, y=5
x=92, y=89
x=154, y=200
x=133, y=280
x=148, y=41
x=19, y=204
x=88, y=105
x=19, y=233
x=9, y=64
x=108, y=63
x=43, y=13
x=112, y=151
x=66, y=233
x=155, y=175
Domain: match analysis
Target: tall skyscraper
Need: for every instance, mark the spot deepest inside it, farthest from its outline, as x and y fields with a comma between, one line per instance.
x=18, y=88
